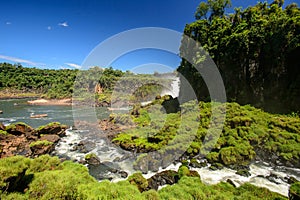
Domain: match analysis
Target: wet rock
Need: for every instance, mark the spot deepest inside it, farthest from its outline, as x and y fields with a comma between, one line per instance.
x=167, y=160
x=216, y=166
x=154, y=165
x=243, y=172
x=52, y=129
x=99, y=172
x=231, y=182
x=123, y=174
x=40, y=149
x=92, y=159
x=24, y=140
x=2, y=127
x=274, y=178
x=14, y=145
x=291, y=180
x=148, y=162
x=112, y=167
x=194, y=163
x=50, y=138
x=117, y=159
x=84, y=146
x=166, y=177
x=141, y=165
x=19, y=129
x=171, y=105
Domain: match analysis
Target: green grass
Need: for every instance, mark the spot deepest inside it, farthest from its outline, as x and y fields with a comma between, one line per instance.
x=46, y=177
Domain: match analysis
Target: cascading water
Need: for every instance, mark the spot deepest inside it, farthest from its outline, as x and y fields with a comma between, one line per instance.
x=111, y=154
x=174, y=92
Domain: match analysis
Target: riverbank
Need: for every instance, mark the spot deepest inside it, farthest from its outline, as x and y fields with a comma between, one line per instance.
x=8, y=94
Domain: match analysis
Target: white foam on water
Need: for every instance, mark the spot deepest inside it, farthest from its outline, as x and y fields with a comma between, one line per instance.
x=145, y=103
x=175, y=85
x=258, y=172
x=174, y=167
x=64, y=147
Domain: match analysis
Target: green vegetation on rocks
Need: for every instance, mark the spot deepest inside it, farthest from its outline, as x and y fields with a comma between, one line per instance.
x=294, y=192
x=46, y=177
x=248, y=133
x=41, y=143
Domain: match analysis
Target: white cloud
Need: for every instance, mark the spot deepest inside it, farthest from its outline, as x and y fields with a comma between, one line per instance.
x=49, y=28
x=64, y=24
x=18, y=60
x=8, y=23
x=73, y=65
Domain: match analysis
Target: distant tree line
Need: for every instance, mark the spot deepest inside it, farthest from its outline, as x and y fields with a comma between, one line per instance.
x=96, y=83
x=256, y=50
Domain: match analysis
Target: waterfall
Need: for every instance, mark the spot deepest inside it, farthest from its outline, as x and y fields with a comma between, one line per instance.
x=174, y=90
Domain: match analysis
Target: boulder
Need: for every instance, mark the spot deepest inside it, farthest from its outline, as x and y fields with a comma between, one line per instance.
x=123, y=174
x=171, y=105
x=50, y=138
x=166, y=177
x=92, y=159
x=41, y=147
x=12, y=145
x=148, y=162
x=2, y=127
x=291, y=180
x=231, y=182
x=243, y=172
x=194, y=163
x=19, y=129
x=54, y=128
x=84, y=146
x=21, y=139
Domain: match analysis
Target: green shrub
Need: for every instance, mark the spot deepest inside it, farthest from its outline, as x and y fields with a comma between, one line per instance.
x=294, y=190
x=14, y=196
x=139, y=181
x=43, y=163
x=12, y=170
x=108, y=191
x=3, y=132
x=183, y=171
x=59, y=184
x=150, y=195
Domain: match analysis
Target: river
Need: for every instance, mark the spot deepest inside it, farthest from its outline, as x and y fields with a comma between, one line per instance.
x=17, y=110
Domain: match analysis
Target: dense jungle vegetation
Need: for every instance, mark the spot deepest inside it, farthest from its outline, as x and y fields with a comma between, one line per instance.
x=95, y=82
x=256, y=50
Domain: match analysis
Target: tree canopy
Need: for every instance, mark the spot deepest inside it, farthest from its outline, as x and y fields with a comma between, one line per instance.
x=255, y=50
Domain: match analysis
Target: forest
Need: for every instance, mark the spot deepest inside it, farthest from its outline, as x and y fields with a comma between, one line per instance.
x=95, y=83
x=256, y=50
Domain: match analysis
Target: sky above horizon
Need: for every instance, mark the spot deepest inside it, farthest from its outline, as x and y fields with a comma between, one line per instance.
x=61, y=34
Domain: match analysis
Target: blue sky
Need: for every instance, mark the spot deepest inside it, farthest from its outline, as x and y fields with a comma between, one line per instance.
x=61, y=33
